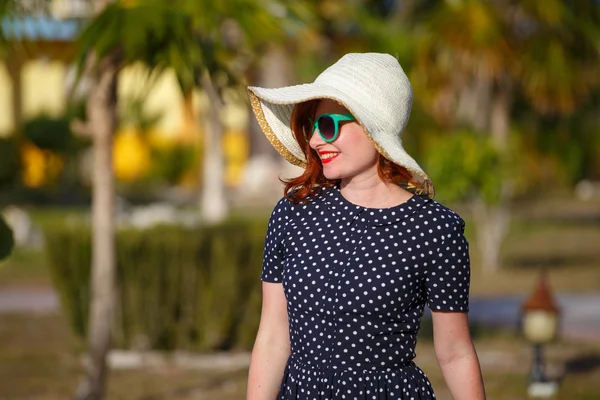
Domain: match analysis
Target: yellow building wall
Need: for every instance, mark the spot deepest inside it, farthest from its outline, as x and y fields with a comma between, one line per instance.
x=43, y=88
x=161, y=95
x=44, y=92
x=164, y=97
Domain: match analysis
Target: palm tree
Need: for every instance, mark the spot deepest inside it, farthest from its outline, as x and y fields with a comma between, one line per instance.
x=264, y=165
x=474, y=58
x=102, y=68
x=229, y=34
x=274, y=64
x=156, y=34
x=201, y=41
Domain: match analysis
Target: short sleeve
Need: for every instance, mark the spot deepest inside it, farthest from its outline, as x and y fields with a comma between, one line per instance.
x=272, y=268
x=448, y=274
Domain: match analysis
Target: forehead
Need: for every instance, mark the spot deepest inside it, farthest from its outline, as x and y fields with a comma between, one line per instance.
x=330, y=106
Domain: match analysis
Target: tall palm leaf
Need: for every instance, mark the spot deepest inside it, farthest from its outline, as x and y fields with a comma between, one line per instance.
x=229, y=34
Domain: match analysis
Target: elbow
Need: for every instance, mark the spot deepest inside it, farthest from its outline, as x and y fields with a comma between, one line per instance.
x=273, y=341
x=450, y=354
x=452, y=359
x=279, y=348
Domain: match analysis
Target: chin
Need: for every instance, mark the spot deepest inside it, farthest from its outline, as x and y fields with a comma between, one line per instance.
x=332, y=174
x=333, y=177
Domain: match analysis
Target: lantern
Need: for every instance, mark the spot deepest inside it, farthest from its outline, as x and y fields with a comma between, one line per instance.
x=540, y=321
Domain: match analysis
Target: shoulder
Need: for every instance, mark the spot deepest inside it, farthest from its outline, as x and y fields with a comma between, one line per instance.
x=282, y=208
x=443, y=219
x=310, y=202
x=279, y=218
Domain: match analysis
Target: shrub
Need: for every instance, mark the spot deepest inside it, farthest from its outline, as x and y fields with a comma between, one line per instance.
x=6, y=239
x=10, y=162
x=170, y=163
x=51, y=133
x=177, y=288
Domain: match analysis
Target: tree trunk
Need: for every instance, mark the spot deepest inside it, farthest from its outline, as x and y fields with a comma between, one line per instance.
x=485, y=107
x=102, y=121
x=500, y=116
x=474, y=101
x=274, y=71
x=483, y=90
x=491, y=224
x=213, y=201
x=189, y=132
x=260, y=181
x=493, y=220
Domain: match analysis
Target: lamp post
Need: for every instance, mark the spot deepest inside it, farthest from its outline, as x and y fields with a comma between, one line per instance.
x=540, y=318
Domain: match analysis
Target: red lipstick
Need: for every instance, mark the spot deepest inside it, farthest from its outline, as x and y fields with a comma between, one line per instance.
x=328, y=156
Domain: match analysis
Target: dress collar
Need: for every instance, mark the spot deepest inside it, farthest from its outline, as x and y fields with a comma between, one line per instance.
x=375, y=216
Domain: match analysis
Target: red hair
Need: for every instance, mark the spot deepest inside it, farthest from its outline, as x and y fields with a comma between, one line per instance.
x=302, y=188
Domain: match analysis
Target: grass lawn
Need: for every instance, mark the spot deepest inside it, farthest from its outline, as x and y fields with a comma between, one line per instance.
x=40, y=359
x=24, y=268
x=28, y=267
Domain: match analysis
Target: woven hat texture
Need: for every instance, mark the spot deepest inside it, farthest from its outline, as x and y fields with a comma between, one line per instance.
x=372, y=86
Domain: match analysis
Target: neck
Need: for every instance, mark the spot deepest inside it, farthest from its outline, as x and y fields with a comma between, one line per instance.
x=372, y=192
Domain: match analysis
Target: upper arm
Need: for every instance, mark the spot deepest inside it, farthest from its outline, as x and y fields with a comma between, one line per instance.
x=274, y=325
x=274, y=318
x=272, y=346
x=451, y=336
x=456, y=355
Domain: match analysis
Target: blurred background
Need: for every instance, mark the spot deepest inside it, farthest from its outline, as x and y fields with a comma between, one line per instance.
x=135, y=185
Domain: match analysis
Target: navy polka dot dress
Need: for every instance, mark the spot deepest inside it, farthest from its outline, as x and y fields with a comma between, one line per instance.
x=356, y=281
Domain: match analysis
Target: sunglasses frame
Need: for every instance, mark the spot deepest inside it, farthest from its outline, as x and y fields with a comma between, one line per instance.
x=337, y=118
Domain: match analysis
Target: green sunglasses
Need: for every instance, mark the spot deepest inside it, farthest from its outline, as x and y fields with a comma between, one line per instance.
x=328, y=126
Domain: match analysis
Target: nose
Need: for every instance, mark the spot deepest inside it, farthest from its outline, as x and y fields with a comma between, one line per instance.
x=316, y=140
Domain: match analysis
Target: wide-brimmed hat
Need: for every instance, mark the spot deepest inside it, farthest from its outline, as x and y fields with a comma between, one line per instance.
x=372, y=86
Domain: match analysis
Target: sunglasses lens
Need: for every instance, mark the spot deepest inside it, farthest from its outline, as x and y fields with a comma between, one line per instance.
x=326, y=127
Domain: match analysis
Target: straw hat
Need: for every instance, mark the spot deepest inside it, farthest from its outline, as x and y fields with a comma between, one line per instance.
x=372, y=86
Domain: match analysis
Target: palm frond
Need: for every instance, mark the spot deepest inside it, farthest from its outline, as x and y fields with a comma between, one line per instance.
x=155, y=33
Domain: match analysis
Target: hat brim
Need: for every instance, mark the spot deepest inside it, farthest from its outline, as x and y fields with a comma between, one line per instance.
x=273, y=110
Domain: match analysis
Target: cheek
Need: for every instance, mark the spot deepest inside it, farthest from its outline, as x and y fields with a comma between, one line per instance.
x=361, y=146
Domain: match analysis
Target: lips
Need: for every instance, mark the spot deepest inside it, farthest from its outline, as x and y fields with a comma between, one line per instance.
x=328, y=156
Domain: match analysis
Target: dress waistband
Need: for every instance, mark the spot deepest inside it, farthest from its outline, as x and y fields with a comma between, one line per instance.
x=296, y=363
x=328, y=382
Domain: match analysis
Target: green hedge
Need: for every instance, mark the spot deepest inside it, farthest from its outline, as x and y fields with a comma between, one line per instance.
x=7, y=240
x=10, y=163
x=177, y=288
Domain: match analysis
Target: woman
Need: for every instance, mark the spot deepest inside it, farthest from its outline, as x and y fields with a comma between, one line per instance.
x=356, y=248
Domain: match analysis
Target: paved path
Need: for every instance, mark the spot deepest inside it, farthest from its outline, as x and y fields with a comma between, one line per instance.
x=580, y=313
x=28, y=300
